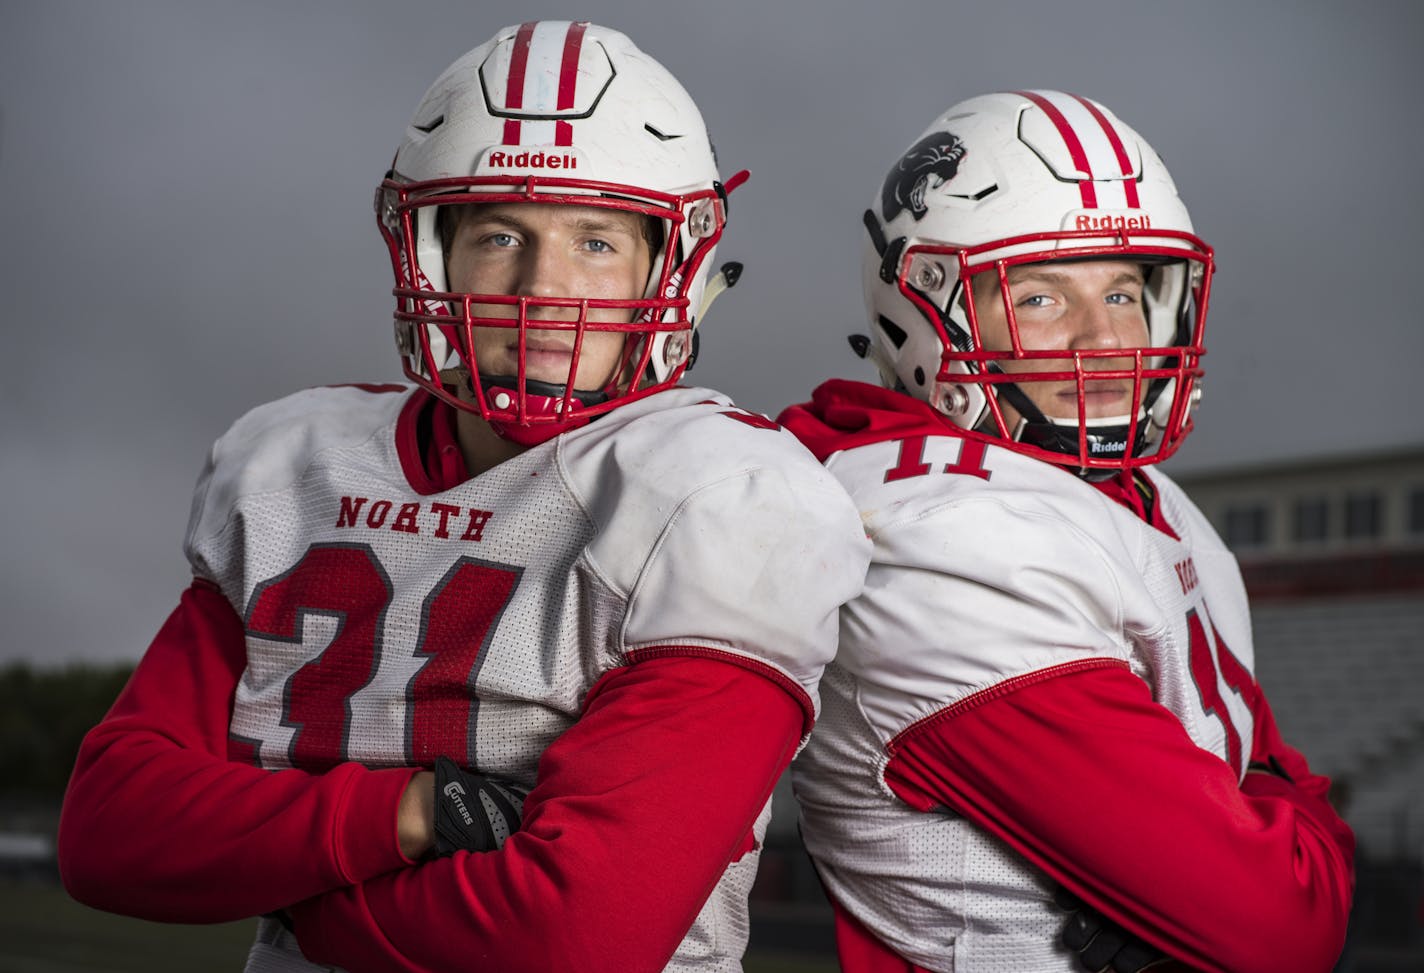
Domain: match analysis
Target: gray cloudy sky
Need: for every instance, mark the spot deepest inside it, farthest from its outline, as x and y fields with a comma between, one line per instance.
x=188, y=187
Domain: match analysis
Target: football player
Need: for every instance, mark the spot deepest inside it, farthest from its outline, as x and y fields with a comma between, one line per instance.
x=540, y=566
x=1043, y=748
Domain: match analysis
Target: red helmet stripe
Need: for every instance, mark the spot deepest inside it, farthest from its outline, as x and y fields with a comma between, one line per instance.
x=518, y=63
x=568, y=70
x=1129, y=185
x=1075, y=146
x=568, y=79
x=514, y=84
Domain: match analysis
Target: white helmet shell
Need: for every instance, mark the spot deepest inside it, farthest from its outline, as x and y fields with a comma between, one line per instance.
x=1027, y=177
x=553, y=112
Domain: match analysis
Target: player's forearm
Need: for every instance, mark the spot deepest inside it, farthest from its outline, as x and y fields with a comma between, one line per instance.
x=640, y=807
x=1308, y=791
x=158, y=823
x=168, y=835
x=1121, y=807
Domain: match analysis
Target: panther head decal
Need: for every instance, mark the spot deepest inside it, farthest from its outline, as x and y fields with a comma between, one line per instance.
x=937, y=155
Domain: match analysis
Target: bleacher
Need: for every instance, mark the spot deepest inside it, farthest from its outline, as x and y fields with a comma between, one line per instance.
x=1345, y=676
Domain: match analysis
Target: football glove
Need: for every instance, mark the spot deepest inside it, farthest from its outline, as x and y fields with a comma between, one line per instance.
x=473, y=812
x=1101, y=946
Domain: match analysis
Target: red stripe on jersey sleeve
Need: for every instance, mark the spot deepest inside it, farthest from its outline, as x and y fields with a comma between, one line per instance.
x=1099, y=786
x=639, y=807
x=159, y=823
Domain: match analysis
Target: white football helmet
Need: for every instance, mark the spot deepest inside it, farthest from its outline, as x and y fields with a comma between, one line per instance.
x=565, y=113
x=1026, y=177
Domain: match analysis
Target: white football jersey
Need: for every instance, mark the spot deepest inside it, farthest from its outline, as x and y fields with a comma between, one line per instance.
x=989, y=566
x=387, y=626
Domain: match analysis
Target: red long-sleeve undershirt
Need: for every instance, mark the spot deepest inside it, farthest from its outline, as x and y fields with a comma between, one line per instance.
x=1099, y=786
x=157, y=823
x=638, y=809
x=1102, y=788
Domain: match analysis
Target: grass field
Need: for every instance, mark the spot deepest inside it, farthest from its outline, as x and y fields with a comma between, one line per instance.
x=42, y=930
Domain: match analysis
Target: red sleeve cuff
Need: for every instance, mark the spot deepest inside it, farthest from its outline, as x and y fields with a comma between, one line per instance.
x=366, y=852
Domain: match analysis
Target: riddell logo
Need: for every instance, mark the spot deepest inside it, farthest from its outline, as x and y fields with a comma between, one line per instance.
x=533, y=160
x=1085, y=221
x=453, y=791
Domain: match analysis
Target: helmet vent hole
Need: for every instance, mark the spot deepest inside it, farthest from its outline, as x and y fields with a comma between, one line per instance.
x=893, y=331
x=919, y=375
x=430, y=126
x=981, y=193
x=660, y=136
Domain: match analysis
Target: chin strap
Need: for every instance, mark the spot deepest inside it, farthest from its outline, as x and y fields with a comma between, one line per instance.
x=1106, y=441
x=541, y=399
x=536, y=395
